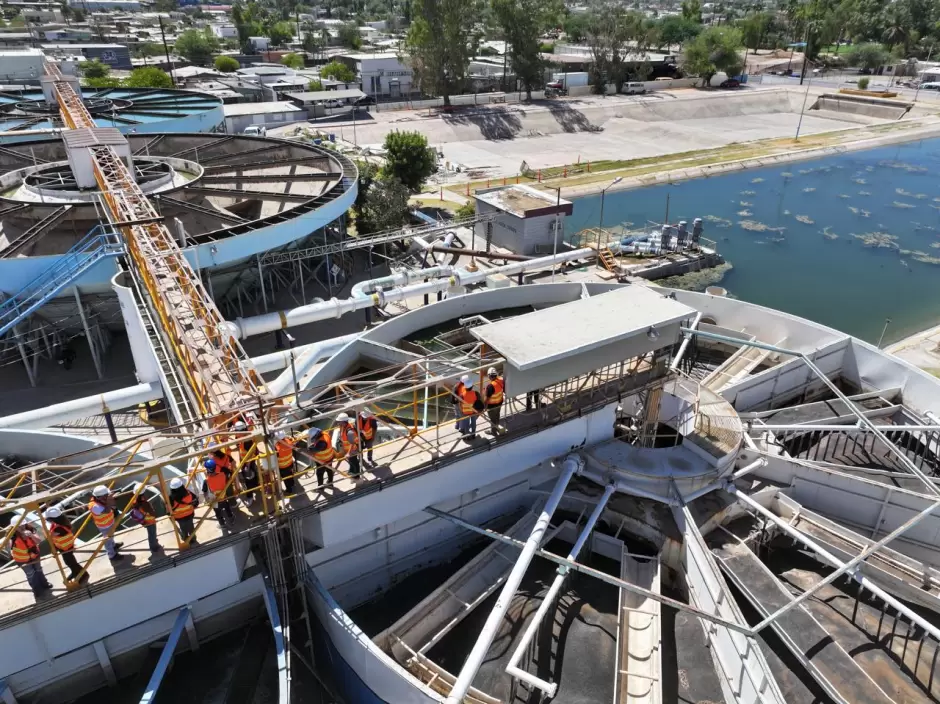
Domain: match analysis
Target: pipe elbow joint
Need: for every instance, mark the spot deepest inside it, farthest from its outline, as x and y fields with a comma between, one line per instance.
x=578, y=460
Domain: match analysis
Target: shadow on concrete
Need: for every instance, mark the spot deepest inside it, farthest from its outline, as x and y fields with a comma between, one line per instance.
x=572, y=120
x=494, y=124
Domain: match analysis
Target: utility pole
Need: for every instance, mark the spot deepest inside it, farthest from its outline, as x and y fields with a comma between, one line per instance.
x=166, y=49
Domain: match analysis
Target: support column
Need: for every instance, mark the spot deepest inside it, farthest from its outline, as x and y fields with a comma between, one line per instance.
x=105, y=662
x=191, y=630
x=25, y=357
x=264, y=297
x=88, y=338
x=6, y=694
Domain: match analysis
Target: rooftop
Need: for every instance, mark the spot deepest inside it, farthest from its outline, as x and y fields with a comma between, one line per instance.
x=259, y=108
x=314, y=95
x=523, y=201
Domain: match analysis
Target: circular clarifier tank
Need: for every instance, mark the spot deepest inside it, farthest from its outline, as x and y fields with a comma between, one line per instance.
x=25, y=115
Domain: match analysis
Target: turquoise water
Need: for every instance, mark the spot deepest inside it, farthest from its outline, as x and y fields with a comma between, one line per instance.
x=846, y=241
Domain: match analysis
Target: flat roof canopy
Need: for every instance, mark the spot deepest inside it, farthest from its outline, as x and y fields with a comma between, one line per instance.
x=315, y=95
x=564, y=341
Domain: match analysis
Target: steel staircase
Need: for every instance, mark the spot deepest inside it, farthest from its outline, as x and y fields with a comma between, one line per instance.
x=90, y=250
x=607, y=260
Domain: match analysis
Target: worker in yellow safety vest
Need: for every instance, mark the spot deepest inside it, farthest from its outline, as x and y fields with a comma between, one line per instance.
x=144, y=514
x=368, y=428
x=24, y=549
x=63, y=537
x=346, y=443
x=284, y=447
x=101, y=507
x=470, y=407
x=320, y=446
x=183, y=505
x=493, y=398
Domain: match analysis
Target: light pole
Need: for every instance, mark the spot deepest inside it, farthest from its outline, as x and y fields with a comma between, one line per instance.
x=917, y=91
x=600, y=225
x=557, y=229
x=803, y=109
x=883, y=331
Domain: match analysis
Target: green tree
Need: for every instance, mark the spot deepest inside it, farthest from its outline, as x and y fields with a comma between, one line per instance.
x=106, y=82
x=522, y=22
x=862, y=83
x=314, y=84
x=692, y=10
x=312, y=40
x=409, y=159
x=338, y=71
x=677, y=30
x=196, y=46
x=443, y=37
x=754, y=29
x=867, y=56
x=226, y=64
x=575, y=27
x=716, y=49
x=385, y=207
x=293, y=60
x=148, y=77
x=349, y=35
x=94, y=69
x=614, y=36
x=280, y=33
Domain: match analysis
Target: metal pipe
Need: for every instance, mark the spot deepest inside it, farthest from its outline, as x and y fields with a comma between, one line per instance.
x=305, y=357
x=752, y=467
x=512, y=669
x=166, y=656
x=336, y=308
x=597, y=574
x=845, y=428
x=805, y=540
x=685, y=343
x=84, y=407
x=481, y=253
x=572, y=464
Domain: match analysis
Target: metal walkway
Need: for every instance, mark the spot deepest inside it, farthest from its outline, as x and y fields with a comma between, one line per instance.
x=90, y=250
x=813, y=645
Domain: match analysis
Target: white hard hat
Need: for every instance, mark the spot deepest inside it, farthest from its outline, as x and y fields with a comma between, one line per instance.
x=365, y=413
x=342, y=418
x=239, y=425
x=491, y=371
x=138, y=487
x=52, y=512
x=469, y=384
x=100, y=490
x=465, y=379
x=176, y=483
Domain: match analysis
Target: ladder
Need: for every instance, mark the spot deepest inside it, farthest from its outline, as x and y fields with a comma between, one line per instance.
x=607, y=260
x=91, y=249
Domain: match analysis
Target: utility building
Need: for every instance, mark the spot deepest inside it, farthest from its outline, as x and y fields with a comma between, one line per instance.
x=527, y=220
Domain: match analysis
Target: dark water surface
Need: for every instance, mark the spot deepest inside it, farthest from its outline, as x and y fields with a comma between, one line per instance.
x=846, y=241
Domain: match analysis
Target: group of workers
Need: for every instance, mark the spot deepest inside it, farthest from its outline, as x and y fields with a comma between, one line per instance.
x=349, y=440
x=469, y=404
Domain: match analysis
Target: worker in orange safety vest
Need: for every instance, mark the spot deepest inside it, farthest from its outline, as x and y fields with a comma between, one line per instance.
x=102, y=507
x=346, y=443
x=183, y=505
x=368, y=430
x=470, y=407
x=24, y=549
x=493, y=398
x=63, y=537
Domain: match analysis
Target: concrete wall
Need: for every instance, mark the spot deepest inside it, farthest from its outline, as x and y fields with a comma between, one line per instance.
x=860, y=105
x=522, y=235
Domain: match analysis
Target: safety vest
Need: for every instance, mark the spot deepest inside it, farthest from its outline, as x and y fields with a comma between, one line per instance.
x=138, y=513
x=367, y=427
x=458, y=392
x=217, y=481
x=103, y=520
x=223, y=462
x=183, y=508
x=24, y=550
x=349, y=438
x=497, y=396
x=324, y=456
x=467, y=399
x=285, y=453
x=62, y=537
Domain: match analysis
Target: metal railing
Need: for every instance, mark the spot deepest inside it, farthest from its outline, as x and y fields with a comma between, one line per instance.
x=91, y=249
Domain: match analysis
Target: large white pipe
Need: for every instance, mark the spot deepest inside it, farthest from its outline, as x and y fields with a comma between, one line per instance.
x=336, y=308
x=572, y=464
x=512, y=669
x=304, y=358
x=84, y=407
x=145, y=360
x=399, y=278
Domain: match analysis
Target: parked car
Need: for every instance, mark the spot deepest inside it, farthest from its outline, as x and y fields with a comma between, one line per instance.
x=256, y=130
x=332, y=103
x=366, y=100
x=730, y=83
x=634, y=88
x=932, y=85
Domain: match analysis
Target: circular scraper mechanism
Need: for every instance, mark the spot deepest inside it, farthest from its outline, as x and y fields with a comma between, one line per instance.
x=215, y=185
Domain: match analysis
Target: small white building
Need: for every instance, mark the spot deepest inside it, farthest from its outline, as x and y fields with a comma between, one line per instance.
x=225, y=31
x=380, y=74
x=259, y=43
x=274, y=114
x=21, y=66
x=527, y=220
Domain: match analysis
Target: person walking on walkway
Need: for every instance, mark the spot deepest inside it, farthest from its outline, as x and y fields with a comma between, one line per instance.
x=215, y=489
x=368, y=430
x=470, y=408
x=63, y=537
x=346, y=438
x=457, y=395
x=249, y=469
x=286, y=465
x=101, y=508
x=493, y=398
x=24, y=549
x=183, y=505
x=143, y=514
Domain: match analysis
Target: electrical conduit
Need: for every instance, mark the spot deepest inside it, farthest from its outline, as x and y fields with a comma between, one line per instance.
x=573, y=464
